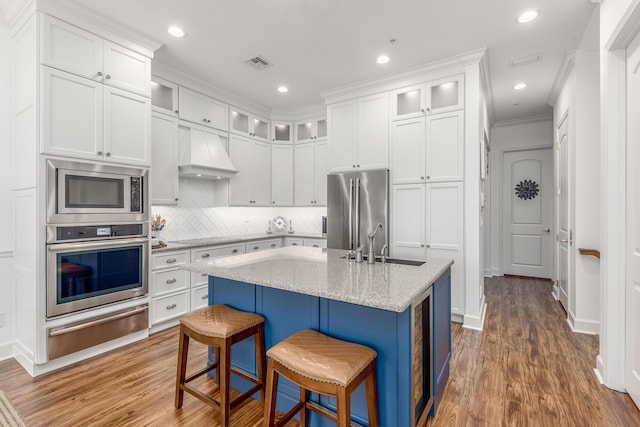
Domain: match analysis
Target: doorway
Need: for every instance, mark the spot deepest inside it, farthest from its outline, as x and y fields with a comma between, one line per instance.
x=527, y=202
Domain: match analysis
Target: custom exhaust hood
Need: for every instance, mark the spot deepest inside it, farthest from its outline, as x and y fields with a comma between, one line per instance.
x=203, y=155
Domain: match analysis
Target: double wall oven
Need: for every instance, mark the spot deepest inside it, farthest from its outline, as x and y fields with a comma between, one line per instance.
x=97, y=252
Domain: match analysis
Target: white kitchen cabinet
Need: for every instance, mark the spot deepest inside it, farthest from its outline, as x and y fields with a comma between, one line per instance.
x=315, y=243
x=310, y=179
x=85, y=119
x=433, y=97
x=169, y=259
x=169, y=287
x=164, y=96
x=198, y=108
x=199, y=297
x=359, y=134
x=69, y=48
x=281, y=132
x=293, y=241
x=263, y=245
x=252, y=185
x=282, y=175
x=169, y=307
x=164, y=160
x=408, y=222
x=248, y=124
x=311, y=130
x=428, y=149
x=168, y=281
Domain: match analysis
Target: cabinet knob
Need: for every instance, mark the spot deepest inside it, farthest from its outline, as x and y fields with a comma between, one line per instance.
x=107, y=77
x=234, y=251
x=205, y=296
x=422, y=246
x=428, y=110
x=205, y=255
x=423, y=110
x=99, y=73
x=204, y=120
x=108, y=154
x=273, y=245
x=358, y=165
x=353, y=166
x=428, y=246
x=294, y=244
x=176, y=111
x=175, y=200
x=274, y=202
x=100, y=153
x=255, y=248
x=428, y=177
x=315, y=246
x=422, y=177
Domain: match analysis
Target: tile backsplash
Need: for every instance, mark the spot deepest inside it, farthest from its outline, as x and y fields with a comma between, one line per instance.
x=197, y=217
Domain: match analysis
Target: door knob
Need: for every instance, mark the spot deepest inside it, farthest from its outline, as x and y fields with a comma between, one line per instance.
x=546, y=230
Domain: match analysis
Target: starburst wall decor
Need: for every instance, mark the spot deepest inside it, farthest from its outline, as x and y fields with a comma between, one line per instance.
x=527, y=189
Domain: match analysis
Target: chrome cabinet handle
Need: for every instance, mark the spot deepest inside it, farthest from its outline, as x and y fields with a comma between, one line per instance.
x=273, y=245
x=294, y=244
x=171, y=306
x=235, y=251
x=205, y=255
x=205, y=296
x=176, y=199
x=315, y=246
x=255, y=248
x=170, y=281
x=204, y=274
x=171, y=260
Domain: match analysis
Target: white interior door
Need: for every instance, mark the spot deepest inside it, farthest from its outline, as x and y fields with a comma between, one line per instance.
x=528, y=213
x=632, y=371
x=564, y=227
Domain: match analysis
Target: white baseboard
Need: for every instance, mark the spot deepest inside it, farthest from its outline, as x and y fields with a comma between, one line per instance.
x=6, y=351
x=457, y=318
x=556, y=290
x=162, y=326
x=475, y=322
x=583, y=326
x=599, y=369
x=487, y=272
x=496, y=272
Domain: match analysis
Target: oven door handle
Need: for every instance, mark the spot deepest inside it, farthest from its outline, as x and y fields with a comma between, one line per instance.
x=65, y=330
x=104, y=244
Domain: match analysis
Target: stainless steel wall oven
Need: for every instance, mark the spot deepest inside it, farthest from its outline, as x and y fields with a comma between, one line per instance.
x=92, y=265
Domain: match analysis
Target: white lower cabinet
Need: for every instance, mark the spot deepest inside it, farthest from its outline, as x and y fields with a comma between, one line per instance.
x=315, y=243
x=293, y=241
x=169, y=307
x=263, y=245
x=169, y=281
x=199, y=297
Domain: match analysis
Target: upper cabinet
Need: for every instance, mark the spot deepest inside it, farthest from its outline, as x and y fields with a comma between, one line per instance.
x=164, y=96
x=437, y=96
x=69, y=48
x=281, y=175
x=249, y=125
x=198, y=108
x=311, y=130
x=281, y=132
x=252, y=185
x=164, y=160
x=359, y=133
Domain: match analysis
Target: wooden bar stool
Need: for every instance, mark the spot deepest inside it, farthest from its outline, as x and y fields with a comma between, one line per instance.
x=220, y=326
x=324, y=365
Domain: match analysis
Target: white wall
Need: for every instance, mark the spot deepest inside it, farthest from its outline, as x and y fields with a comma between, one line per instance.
x=506, y=136
x=6, y=181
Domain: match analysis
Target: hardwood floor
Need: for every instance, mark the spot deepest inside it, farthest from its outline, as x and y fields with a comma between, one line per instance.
x=525, y=369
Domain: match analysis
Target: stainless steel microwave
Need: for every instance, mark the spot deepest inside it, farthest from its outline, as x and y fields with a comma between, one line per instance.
x=85, y=192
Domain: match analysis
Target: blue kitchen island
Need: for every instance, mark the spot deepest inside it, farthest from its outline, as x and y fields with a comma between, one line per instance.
x=401, y=311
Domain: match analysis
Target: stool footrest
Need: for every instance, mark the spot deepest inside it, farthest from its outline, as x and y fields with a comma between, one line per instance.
x=289, y=415
x=313, y=406
x=201, y=372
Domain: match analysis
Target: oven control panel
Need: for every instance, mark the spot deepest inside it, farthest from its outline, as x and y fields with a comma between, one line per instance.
x=93, y=232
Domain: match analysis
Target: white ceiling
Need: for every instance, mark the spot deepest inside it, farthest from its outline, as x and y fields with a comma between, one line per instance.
x=316, y=45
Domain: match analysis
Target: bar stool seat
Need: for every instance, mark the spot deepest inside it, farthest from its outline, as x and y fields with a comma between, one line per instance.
x=322, y=364
x=220, y=326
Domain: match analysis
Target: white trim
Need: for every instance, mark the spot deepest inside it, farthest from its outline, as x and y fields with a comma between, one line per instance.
x=582, y=326
x=568, y=62
x=6, y=351
x=488, y=90
x=457, y=318
x=487, y=272
x=475, y=322
x=555, y=291
x=533, y=119
x=6, y=254
x=599, y=369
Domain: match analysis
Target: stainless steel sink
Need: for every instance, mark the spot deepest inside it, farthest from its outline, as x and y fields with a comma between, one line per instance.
x=394, y=261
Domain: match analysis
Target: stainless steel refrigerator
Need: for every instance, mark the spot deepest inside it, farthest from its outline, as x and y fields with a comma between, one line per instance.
x=356, y=203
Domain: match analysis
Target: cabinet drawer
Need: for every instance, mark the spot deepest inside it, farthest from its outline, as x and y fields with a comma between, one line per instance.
x=199, y=297
x=167, y=281
x=263, y=245
x=315, y=243
x=292, y=241
x=206, y=254
x=167, y=260
x=199, y=279
x=169, y=307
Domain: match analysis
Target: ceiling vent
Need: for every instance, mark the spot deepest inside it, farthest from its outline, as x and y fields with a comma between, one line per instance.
x=258, y=62
x=526, y=60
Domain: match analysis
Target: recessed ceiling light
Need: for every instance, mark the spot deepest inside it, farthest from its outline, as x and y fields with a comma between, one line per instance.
x=527, y=16
x=520, y=86
x=382, y=59
x=176, y=31
x=283, y=89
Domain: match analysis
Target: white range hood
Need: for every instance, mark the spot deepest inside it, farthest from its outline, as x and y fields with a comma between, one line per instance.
x=203, y=155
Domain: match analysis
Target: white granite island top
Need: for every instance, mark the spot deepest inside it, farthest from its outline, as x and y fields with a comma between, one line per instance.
x=323, y=273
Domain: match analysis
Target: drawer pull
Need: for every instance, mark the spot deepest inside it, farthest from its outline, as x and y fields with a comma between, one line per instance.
x=235, y=251
x=315, y=246
x=273, y=245
x=170, y=281
x=171, y=306
x=294, y=244
x=205, y=296
x=171, y=260
x=255, y=248
x=204, y=274
x=205, y=255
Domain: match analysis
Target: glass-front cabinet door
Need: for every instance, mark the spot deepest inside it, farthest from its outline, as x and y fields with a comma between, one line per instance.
x=311, y=130
x=408, y=102
x=247, y=124
x=164, y=96
x=240, y=122
x=282, y=132
x=445, y=95
x=261, y=129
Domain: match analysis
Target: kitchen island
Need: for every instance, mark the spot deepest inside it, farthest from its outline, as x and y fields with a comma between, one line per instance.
x=401, y=311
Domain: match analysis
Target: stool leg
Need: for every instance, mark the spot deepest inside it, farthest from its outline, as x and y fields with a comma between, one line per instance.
x=183, y=350
x=272, y=393
x=372, y=398
x=260, y=359
x=217, y=355
x=225, y=387
x=304, y=412
x=344, y=407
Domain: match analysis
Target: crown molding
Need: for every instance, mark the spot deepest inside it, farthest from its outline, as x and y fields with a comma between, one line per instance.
x=432, y=70
x=533, y=119
x=564, y=72
x=308, y=112
x=12, y=10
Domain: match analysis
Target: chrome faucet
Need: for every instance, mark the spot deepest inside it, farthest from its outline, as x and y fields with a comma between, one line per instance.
x=371, y=258
x=383, y=256
x=359, y=253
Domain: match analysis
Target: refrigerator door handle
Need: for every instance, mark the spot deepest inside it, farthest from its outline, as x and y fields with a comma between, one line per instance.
x=356, y=237
x=351, y=247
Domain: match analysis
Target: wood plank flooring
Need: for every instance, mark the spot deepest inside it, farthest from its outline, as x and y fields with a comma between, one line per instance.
x=525, y=369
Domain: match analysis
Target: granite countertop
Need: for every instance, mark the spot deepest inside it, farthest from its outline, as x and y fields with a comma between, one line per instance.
x=323, y=273
x=221, y=240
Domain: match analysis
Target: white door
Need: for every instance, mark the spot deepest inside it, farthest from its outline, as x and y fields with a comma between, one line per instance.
x=408, y=222
x=342, y=135
x=632, y=371
x=445, y=147
x=127, y=127
x=564, y=228
x=191, y=106
x=261, y=179
x=528, y=213
x=164, y=160
x=304, y=181
x=282, y=175
x=240, y=185
x=372, y=145
x=321, y=168
x=408, y=143
x=126, y=69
